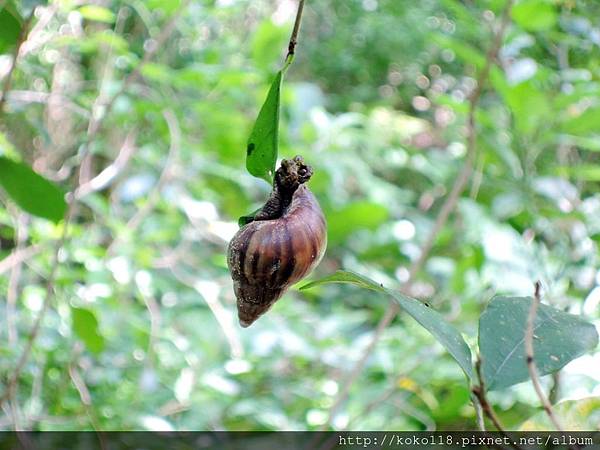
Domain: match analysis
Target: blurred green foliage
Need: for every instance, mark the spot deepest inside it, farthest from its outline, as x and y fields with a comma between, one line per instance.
x=141, y=330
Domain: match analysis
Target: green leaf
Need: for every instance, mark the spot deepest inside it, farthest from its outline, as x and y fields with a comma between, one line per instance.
x=575, y=415
x=32, y=192
x=584, y=123
x=267, y=42
x=244, y=220
x=465, y=52
x=97, y=13
x=530, y=106
x=591, y=144
x=582, y=172
x=355, y=216
x=85, y=326
x=558, y=339
x=343, y=276
x=428, y=318
x=534, y=15
x=10, y=29
x=263, y=144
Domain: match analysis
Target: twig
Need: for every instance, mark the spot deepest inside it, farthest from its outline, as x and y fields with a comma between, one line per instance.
x=104, y=178
x=25, y=96
x=85, y=171
x=10, y=385
x=18, y=256
x=20, y=40
x=165, y=176
x=13, y=281
x=93, y=128
x=442, y=217
x=479, y=392
x=216, y=307
x=84, y=394
x=174, y=148
x=478, y=412
x=96, y=123
x=533, y=373
x=294, y=36
x=154, y=312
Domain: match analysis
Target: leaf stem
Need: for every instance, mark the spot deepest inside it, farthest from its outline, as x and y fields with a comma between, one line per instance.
x=533, y=373
x=442, y=217
x=294, y=37
x=479, y=392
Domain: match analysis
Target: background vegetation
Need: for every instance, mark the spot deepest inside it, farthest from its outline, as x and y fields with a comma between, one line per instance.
x=142, y=110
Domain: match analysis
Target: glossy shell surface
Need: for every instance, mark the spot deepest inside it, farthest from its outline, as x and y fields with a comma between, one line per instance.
x=266, y=257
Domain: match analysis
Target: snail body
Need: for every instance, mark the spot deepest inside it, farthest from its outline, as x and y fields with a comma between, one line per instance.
x=283, y=244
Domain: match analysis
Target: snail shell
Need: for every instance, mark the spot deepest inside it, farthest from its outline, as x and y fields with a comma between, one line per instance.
x=270, y=254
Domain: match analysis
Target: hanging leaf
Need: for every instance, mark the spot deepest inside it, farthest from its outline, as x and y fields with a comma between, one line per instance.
x=558, y=339
x=85, y=326
x=32, y=192
x=428, y=318
x=263, y=144
x=10, y=28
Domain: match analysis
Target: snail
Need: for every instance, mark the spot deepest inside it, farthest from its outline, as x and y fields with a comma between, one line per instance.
x=284, y=241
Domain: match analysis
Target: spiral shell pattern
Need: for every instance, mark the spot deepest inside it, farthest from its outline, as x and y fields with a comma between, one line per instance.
x=266, y=257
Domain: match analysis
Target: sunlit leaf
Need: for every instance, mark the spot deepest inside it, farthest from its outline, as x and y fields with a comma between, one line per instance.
x=464, y=51
x=353, y=217
x=534, y=15
x=575, y=415
x=97, y=13
x=591, y=144
x=581, y=124
x=428, y=318
x=32, y=192
x=85, y=326
x=343, y=276
x=267, y=43
x=263, y=144
x=558, y=339
x=583, y=172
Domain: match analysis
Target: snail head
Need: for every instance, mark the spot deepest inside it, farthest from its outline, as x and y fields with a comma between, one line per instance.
x=292, y=173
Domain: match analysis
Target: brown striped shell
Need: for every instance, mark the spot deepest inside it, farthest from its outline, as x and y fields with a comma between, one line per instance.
x=267, y=256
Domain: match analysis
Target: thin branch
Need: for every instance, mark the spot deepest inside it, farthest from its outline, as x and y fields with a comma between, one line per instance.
x=478, y=412
x=442, y=217
x=18, y=256
x=533, y=373
x=479, y=392
x=96, y=123
x=20, y=40
x=112, y=171
x=294, y=36
x=84, y=394
x=12, y=382
x=223, y=316
x=165, y=175
x=93, y=129
x=14, y=280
